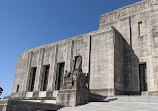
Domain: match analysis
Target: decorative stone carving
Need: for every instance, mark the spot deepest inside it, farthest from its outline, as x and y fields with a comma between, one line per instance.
x=127, y=11
x=76, y=78
x=74, y=90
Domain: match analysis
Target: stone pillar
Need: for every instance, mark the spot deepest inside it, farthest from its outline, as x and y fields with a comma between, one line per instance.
x=54, y=68
x=28, y=70
x=52, y=71
x=22, y=76
x=39, y=72
x=151, y=86
x=69, y=56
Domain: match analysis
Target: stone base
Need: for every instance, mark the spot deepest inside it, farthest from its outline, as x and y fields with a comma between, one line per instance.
x=66, y=97
x=72, y=97
x=103, y=92
x=149, y=93
x=3, y=104
x=19, y=105
x=33, y=95
x=18, y=94
x=112, y=92
x=118, y=92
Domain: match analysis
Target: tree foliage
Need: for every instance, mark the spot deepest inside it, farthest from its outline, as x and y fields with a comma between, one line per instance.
x=1, y=90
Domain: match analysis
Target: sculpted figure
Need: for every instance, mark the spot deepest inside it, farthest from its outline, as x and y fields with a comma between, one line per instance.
x=74, y=83
x=78, y=63
x=70, y=78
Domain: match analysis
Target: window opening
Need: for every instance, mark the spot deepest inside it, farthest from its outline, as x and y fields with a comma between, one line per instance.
x=45, y=78
x=32, y=79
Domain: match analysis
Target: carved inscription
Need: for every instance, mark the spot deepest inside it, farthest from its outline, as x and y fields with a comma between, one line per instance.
x=132, y=9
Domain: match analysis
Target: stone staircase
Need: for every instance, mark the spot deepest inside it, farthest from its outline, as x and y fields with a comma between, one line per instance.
x=116, y=103
x=119, y=103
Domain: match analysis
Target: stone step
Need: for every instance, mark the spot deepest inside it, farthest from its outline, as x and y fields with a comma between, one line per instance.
x=119, y=103
x=114, y=106
x=148, y=99
x=42, y=101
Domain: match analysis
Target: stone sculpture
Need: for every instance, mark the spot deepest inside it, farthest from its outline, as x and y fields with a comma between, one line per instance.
x=74, y=90
x=76, y=78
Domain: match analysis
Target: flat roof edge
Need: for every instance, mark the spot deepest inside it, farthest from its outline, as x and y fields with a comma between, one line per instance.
x=129, y=10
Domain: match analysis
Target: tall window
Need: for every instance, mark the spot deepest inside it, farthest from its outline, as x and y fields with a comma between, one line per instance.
x=17, y=89
x=140, y=28
x=45, y=78
x=142, y=77
x=60, y=74
x=32, y=79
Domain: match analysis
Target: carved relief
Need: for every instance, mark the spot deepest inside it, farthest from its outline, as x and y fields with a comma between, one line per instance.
x=76, y=78
x=78, y=63
x=132, y=9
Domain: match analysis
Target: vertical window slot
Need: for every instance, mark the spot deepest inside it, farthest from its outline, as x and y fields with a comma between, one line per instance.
x=32, y=79
x=140, y=28
x=45, y=78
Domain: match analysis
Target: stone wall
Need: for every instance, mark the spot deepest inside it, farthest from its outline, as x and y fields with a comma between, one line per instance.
x=102, y=63
x=127, y=11
x=118, y=62
x=52, y=54
x=98, y=52
x=125, y=20
x=126, y=70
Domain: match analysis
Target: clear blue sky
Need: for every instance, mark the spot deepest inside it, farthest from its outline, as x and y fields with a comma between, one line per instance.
x=25, y=24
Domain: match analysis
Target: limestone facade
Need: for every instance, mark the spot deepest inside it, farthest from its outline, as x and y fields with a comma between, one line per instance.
x=111, y=56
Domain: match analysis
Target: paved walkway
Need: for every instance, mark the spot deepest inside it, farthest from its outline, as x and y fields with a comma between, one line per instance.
x=114, y=106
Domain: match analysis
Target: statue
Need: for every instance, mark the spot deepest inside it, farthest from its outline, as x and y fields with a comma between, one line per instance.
x=76, y=78
x=74, y=90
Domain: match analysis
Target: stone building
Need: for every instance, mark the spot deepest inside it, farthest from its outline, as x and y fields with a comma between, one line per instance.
x=120, y=58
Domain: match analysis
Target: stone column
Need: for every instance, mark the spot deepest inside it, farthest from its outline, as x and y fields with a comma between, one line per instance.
x=52, y=69
x=151, y=79
x=54, y=65
x=28, y=71
x=39, y=72
x=69, y=56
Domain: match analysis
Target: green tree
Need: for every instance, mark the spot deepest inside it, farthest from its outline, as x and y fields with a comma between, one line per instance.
x=1, y=90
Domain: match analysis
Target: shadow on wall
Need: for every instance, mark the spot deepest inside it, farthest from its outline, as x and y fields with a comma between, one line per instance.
x=125, y=66
x=95, y=98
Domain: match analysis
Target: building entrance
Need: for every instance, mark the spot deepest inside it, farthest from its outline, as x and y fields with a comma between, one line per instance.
x=60, y=75
x=142, y=77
